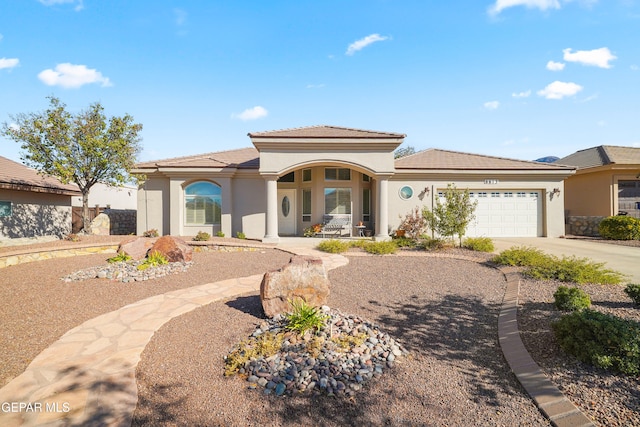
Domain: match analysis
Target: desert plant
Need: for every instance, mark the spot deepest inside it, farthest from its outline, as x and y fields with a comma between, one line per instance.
x=360, y=243
x=575, y=270
x=381, y=248
x=634, y=292
x=620, y=228
x=304, y=317
x=202, y=236
x=414, y=223
x=264, y=345
x=404, y=242
x=151, y=233
x=520, y=256
x=479, y=244
x=571, y=299
x=241, y=235
x=434, y=244
x=333, y=246
x=120, y=257
x=220, y=233
x=600, y=339
x=153, y=259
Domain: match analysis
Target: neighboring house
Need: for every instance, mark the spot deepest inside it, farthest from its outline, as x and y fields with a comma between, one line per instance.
x=294, y=178
x=32, y=204
x=105, y=196
x=607, y=182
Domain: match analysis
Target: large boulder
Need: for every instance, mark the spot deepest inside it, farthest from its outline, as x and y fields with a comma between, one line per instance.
x=136, y=247
x=173, y=249
x=304, y=277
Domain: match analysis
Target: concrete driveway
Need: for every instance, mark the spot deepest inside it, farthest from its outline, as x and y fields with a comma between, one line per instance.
x=624, y=259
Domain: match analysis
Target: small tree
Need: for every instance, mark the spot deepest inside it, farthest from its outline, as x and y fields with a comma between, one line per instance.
x=452, y=216
x=403, y=151
x=414, y=223
x=84, y=149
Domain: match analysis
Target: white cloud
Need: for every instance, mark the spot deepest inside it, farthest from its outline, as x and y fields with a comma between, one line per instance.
x=79, y=3
x=72, y=76
x=364, y=42
x=315, y=86
x=596, y=57
x=525, y=94
x=492, y=105
x=555, y=66
x=500, y=5
x=8, y=63
x=254, y=113
x=559, y=90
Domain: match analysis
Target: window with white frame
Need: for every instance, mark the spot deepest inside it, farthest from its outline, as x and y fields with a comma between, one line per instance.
x=337, y=200
x=202, y=203
x=306, y=205
x=337, y=174
x=366, y=204
x=306, y=175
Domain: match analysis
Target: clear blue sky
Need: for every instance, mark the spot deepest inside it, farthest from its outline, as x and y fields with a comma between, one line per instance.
x=513, y=78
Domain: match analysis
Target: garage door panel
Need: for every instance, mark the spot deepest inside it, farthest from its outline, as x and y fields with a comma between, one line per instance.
x=510, y=213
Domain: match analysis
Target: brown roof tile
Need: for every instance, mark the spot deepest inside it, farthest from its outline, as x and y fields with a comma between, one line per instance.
x=601, y=156
x=434, y=158
x=324, y=131
x=14, y=175
x=243, y=158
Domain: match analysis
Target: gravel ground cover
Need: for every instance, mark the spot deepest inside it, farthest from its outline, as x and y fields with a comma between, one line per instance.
x=37, y=307
x=609, y=399
x=443, y=311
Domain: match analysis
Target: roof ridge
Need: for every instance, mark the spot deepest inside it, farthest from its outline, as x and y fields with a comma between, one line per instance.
x=604, y=154
x=323, y=126
x=490, y=156
x=208, y=155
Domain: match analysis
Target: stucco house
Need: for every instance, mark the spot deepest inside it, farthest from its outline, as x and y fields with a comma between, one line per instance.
x=606, y=182
x=32, y=204
x=293, y=178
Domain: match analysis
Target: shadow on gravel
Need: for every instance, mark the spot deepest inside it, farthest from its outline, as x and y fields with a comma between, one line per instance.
x=162, y=409
x=456, y=328
x=249, y=304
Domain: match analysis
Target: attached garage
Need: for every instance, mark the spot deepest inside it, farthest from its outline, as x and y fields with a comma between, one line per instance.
x=507, y=214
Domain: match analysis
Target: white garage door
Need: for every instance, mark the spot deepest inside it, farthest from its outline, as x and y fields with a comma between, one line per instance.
x=509, y=213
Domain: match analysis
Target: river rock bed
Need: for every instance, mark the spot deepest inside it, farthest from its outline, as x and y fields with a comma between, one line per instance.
x=128, y=271
x=339, y=360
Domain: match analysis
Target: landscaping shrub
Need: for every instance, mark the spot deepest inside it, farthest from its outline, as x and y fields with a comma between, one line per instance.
x=571, y=299
x=620, y=228
x=520, y=256
x=381, y=248
x=360, y=243
x=334, y=246
x=220, y=234
x=603, y=340
x=154, y=259
x=634, y=292
x=304, y=317
x=404, y=242
x=151, y=233
x=434, y=244
x=241, y=235
x=574, y=270
x=120, y=257
x=202, y=236
x=480, y=244
x=264, y=345
x=413, y=223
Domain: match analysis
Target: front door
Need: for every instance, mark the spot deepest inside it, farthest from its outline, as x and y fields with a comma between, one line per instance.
x=286, y=212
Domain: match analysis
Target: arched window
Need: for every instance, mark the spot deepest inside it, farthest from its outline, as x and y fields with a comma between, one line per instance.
x=202, y=203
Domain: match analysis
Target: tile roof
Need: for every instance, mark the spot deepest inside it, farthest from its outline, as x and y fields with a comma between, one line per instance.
x=434, y=158
x=14, y=175
x=324, y=131
x=601, y=156
x=243, y=158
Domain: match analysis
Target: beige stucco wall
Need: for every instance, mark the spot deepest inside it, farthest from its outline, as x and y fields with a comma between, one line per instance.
x=35, y=214
x=153, y=206
x=590, y=194
x=552, y=207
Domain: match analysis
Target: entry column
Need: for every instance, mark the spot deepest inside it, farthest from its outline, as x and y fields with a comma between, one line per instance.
x=271, y=235
x=382, y=225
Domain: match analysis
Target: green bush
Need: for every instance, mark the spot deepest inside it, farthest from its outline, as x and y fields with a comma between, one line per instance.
x=334, y=246
x=202, y=236
x=571, y=299
x=480, y=244
x=304, y=317
x=360, y=243
x=634, y=292
x=120, y=257
x=381, y=248
x=241, y=235
x=521, y=256
x=151, y=233
x=434, y=244
x=573, y=270
x=220, y=234
x=404, y=242
x=603, y=340
x=620, y=228
x=154, y=259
